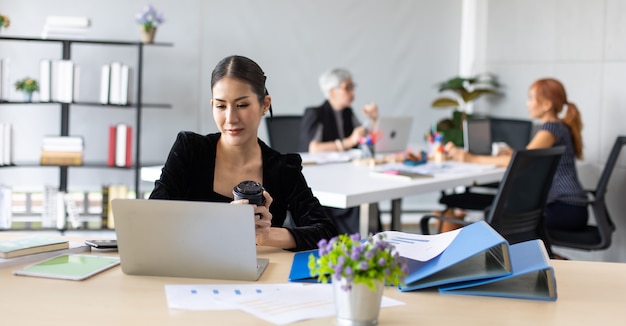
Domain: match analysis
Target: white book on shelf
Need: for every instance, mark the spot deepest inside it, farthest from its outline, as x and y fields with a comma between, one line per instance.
x=6, y=213
x=76, y=84
x=67, y=81
x=124, y=84
x=116, y=73
x=63, y=140
x=105, y=84
x=68, y=21
x=1, y=144
x=55, y=80
x=7, y=144
x=44, y=80
x=120, y=144
x=5, y=82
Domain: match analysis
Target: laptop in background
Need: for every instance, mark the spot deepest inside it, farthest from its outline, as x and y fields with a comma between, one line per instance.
x=187, y=239
x=394, y=134
x=477, y=136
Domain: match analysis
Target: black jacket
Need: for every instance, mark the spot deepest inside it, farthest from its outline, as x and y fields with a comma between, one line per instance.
x=324, y=115
x=189, y=172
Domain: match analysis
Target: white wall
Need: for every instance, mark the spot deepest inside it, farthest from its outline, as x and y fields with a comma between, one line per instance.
x=581, y=43
x=397, y=51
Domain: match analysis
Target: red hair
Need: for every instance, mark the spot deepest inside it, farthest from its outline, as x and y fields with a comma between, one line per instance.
x=552, y=90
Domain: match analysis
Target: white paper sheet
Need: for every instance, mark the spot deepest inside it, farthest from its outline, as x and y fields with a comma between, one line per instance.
x=276, y=303
x=418, y=246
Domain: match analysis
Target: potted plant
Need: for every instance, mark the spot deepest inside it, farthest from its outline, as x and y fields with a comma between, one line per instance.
x=4, y=21
x=27, y=86
x=359, y=271
x=149, y=19
x=460, y=92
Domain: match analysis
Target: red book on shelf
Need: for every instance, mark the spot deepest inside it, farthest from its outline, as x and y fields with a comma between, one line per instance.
x=129, y=141
x=111, y=152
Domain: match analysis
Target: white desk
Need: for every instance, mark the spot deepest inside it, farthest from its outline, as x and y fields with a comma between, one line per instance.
x=344, y=185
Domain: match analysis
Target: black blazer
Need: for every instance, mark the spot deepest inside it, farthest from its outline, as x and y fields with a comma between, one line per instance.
x=324, y=115
x=189, y=172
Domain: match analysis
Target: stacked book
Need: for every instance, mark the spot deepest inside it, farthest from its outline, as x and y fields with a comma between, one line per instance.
x=61, y=27
x=62, y=150
x=110, y=192
x=58, y=81
x=115, y=84
x=6, y=144
x=6, y=212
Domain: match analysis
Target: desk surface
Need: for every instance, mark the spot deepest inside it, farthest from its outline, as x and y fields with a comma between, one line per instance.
x=343, y=185
x=590, y=293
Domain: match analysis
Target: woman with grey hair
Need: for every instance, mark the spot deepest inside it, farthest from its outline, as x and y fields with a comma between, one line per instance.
x=333, y=126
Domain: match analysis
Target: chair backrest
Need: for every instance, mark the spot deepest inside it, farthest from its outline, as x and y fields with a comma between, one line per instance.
x=516, y=133
x=517, y=210
x=600, y=190
x=598, y=236
x=284, y=132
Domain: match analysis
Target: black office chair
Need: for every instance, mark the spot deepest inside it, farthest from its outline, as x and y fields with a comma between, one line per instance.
x=284, y=132
x=598, y=236
x=516, y=133
x=517, y=210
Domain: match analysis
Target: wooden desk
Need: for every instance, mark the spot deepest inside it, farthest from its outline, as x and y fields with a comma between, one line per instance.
x=590, y=293
x=344, y=185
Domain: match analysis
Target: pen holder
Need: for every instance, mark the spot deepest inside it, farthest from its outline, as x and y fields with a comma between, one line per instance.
x=367, y=150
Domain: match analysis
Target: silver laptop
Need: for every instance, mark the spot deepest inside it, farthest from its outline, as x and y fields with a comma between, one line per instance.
x=187, y=239
x=394, y=134
x=477, y=136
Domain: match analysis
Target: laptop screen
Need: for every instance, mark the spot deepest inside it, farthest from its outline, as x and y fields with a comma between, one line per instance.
x=477, y=136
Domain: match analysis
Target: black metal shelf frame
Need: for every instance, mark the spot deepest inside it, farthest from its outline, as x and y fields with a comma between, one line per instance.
x=66, y=47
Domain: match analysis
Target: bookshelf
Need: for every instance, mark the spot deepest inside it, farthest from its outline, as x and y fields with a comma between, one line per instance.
x=64, y=129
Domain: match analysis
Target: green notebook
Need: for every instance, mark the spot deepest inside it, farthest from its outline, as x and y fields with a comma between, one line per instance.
x=74, y=267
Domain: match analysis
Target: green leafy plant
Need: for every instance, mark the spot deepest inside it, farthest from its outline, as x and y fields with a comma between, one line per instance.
x=149, y=18
x=347, y=257
x=4, y=21
x=27, y=85
x=458, y=93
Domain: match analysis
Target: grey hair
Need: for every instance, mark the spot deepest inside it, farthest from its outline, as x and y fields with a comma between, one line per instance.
x=332, y=79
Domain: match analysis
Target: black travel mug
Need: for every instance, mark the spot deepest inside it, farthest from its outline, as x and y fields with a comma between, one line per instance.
x=250, y=190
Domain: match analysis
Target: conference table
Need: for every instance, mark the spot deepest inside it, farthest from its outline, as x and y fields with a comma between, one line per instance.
x=589, y=293
x=343, y=185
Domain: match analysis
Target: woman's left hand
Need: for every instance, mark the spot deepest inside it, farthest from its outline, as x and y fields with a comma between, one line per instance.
x=263, y=219
x=371, y=110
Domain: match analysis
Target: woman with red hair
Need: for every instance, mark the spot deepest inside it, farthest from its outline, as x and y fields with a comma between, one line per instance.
x=567, y=201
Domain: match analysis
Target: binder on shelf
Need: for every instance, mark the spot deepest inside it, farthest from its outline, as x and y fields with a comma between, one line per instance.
x=44, y=80
x=105, y=84
x=477, y=252
x=532, y=276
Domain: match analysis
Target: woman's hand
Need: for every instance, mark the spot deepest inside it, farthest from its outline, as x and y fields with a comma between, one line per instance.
x=263, y=219
x=457, y=154
x=355, y=137
x=371, y=110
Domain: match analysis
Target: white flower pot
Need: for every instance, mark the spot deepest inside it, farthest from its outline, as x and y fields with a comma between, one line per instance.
x=358, y=306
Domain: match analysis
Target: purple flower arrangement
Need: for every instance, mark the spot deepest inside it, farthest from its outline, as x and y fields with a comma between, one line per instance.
x=149, y=17
x=347, y=257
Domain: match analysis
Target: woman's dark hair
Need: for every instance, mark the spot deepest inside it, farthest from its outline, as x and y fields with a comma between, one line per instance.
x=245, y=70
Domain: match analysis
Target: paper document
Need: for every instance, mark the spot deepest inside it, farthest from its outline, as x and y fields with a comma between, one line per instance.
x=276, y=303
x=449, y=167
x=420, y=247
